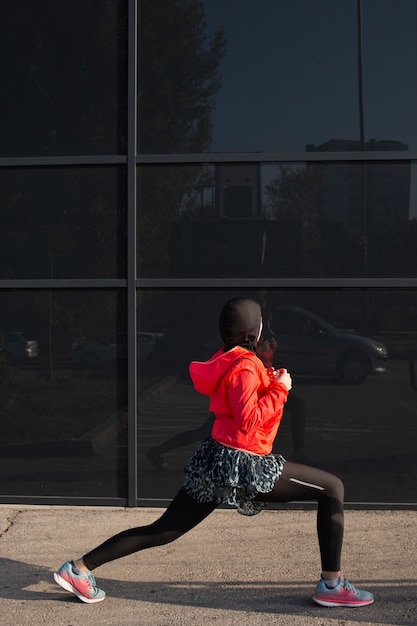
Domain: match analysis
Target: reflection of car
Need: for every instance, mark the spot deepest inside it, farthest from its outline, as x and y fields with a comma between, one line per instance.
x=15, y=347
x=92, y=354
x=307, y=345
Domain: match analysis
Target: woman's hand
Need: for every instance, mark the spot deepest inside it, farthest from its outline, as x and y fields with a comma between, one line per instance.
x=282, y=376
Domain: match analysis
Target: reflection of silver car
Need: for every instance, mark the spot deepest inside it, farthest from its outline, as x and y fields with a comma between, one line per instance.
x=15, y=347
x=307, y=345
x=112, y=349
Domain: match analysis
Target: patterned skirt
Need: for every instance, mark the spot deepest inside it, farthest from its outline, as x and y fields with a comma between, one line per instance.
x=224, y=475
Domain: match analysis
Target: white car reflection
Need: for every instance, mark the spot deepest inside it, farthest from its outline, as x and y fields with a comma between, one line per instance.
x=93, y=354
x=17, y=348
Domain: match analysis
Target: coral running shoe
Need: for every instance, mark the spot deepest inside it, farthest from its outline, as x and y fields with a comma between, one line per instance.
x=82, y=584
x=344, y=594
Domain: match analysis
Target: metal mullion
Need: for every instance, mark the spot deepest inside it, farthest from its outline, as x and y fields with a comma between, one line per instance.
x=63, y=283
x=131, y=254
x=271, y=157
x=59, y=161
x=277, y=283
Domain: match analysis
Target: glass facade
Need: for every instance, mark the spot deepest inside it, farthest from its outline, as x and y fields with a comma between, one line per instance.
x=351, y=410
x=328, y=219
x=158, y=158
x=67, y=222
x=64, y=86
x=65, y=415
x=245, y=76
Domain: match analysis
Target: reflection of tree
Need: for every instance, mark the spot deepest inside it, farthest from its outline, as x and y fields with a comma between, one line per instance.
x=198, y=200
x=59, y=84
x=62, y=223
x=178, y=79
x=161, y=191
x=339, y=253
x=7, y=375
x=293, y=194
x=395, y=250
x=64, y=93
x=329, y=248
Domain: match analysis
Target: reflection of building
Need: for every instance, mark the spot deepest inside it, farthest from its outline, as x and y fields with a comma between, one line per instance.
x=352, y=145
x=238, y=190
x=225, y=191
x=375, y=195
x=235, y=239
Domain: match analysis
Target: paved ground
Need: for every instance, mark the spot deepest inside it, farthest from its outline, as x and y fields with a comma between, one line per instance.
x=229, y=570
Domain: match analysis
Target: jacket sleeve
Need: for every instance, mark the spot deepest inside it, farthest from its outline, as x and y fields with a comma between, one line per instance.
x=252, y=404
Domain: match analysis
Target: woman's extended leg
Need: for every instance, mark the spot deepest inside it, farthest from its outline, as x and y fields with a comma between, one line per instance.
x=181, y=516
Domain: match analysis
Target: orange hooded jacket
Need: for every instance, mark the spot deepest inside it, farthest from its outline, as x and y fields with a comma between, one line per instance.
x=247, y=401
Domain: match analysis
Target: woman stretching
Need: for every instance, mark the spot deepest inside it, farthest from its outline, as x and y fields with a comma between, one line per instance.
x=235, y=466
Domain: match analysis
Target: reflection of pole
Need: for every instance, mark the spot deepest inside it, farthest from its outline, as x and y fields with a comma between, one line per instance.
x=412, y=370
x=360, y=75
x=261, y=217
x=263, y=248
x=50, y=367
x=364, y=234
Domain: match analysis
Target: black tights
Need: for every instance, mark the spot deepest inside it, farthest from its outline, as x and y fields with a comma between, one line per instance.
x=296, y=483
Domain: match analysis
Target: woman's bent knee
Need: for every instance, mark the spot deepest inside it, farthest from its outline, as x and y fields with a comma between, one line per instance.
x=338, y=488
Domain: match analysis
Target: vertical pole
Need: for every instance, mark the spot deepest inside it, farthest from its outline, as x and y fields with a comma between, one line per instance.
x=360, y=75
x=364, y=234
x=131, y=255
x=364, y=201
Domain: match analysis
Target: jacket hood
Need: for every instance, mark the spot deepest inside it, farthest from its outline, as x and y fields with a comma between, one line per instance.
x=206, y=375
x=240, y=323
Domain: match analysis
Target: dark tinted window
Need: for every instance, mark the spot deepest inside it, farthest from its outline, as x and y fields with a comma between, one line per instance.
x=389, y=67
x=276, y=75
x=326, y=219
x=63, y=223
x=63, y=73
x=65, y=422
x=340, y=414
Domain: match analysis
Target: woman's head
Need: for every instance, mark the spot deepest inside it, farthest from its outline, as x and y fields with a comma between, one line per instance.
x=240, y=323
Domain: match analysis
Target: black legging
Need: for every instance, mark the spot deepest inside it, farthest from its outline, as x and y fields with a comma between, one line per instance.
x=296, y=483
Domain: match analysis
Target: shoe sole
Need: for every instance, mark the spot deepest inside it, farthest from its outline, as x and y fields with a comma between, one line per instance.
x=68, y=587
x=330, y=603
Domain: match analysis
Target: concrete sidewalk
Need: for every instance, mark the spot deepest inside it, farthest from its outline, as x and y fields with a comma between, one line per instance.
x=229, y=570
